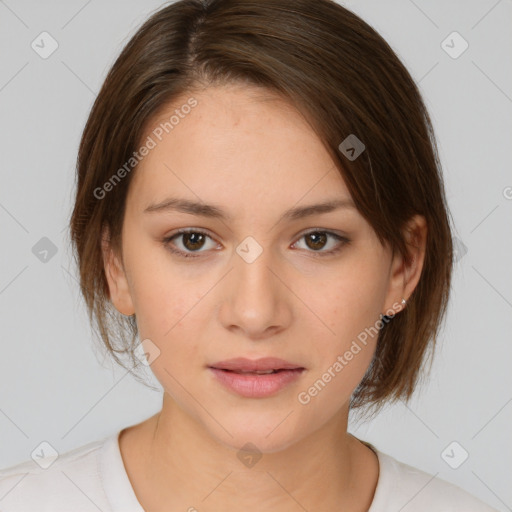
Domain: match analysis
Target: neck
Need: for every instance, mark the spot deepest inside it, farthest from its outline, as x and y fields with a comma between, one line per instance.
x=175, y=464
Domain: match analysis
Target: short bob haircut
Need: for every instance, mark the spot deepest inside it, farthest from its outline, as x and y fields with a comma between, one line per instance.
x=343, y=77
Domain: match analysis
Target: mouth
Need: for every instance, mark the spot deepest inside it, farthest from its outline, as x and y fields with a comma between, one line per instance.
x=257, y=372
x=263, y=366
x=256, y=378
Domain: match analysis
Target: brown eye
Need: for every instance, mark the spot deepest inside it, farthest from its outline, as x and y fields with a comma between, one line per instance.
x=187, y=242
x=193, y=241
x=318, y=240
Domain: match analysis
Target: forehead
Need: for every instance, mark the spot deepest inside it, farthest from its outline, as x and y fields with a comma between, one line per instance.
x=240, y=146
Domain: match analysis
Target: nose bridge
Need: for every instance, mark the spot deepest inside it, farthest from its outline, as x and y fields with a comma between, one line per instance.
x=255, y=282
x=253, y=264
x=255, y=301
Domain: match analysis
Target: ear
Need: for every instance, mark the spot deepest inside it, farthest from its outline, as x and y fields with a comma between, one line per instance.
x=404, y=276
x=116, y=277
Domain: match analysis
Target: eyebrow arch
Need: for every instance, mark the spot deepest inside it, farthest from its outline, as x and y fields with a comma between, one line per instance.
x=215, y=212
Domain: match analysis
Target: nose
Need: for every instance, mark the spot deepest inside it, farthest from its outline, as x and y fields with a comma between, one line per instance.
x=256, y=297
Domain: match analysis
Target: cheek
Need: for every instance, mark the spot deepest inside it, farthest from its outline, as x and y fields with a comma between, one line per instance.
x=350, y=302
x=345, y=340
x=165, y=312
x=162, y=299
x=339, y=358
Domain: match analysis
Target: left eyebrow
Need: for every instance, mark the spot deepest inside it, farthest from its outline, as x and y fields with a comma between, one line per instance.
x=214, y=211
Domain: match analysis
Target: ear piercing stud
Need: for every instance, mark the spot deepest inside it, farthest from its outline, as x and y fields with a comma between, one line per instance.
x=404, y=302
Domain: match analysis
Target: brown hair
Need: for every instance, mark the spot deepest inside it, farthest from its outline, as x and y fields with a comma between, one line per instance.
x=345, y=79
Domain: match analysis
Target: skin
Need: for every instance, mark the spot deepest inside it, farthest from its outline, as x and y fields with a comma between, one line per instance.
x=253, y=155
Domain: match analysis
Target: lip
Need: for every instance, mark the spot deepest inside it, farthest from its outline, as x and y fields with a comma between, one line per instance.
x=251, y=365
x=252, y=385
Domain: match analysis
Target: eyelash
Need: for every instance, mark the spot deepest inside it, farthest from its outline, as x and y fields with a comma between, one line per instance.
x=167, y=242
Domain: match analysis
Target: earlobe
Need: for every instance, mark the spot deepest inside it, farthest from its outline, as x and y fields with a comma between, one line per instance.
x=116, y=278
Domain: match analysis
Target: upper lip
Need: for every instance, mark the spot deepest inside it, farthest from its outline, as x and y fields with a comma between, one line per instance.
x=253, y=365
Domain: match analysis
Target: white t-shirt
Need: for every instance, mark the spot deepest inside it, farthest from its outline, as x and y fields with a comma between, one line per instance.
x=93, y=478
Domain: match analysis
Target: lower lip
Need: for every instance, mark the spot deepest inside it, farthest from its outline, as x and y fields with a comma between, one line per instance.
x=252, y=385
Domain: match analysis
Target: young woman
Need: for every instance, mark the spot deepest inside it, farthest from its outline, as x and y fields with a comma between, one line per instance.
x=260, y=218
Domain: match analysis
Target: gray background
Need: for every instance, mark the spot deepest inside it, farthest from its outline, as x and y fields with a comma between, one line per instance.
x=56, y=386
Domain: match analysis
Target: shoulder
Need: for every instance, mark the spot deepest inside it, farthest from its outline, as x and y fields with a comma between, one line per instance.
x=403, y=487
x=71, y=481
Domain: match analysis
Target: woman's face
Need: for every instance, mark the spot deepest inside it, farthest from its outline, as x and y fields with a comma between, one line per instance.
x=251, y=280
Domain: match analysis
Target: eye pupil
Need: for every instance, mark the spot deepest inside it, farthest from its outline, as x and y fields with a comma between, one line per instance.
x=317, y=238
x=196, y=239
